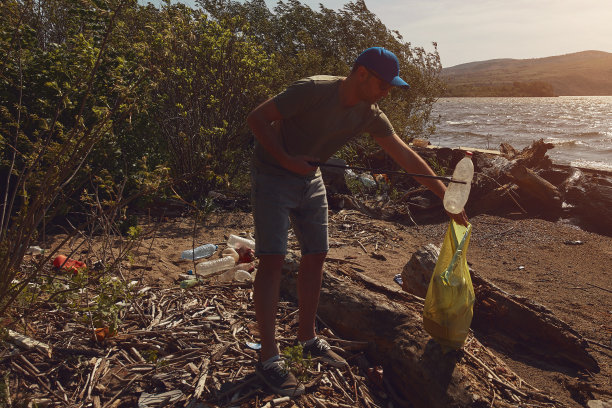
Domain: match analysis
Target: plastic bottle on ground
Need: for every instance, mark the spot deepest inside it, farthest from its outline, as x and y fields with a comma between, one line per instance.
x=209, y=267
x=229, y=251
x=227, y=276
x=200, y=252
x=245, y=266
x=456, y=193
x=235, y=274
x=242, y=276
x=235, y=241
x=35, y=250
x=189, y=283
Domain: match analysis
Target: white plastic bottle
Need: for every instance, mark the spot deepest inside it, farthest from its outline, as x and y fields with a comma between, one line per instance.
x=242, y=276
x=456, y=193
x=229, y=251
x=235, y=274
x=227, y=276
x=209, y=267
x=200, y=252
x=235, y=241
x=35, y=250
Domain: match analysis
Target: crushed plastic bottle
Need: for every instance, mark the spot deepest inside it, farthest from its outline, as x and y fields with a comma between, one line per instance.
x=210, y=267
x=200, y=252
x=234, y=241
x=366, y=180
x=456, y=193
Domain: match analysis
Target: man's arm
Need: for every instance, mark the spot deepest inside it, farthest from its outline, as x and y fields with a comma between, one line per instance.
x=260, y=122
x=410, y=161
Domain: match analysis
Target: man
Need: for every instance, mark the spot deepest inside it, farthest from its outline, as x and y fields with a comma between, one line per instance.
x=309, y=122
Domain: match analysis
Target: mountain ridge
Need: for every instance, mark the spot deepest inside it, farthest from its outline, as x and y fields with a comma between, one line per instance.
x=576, y=74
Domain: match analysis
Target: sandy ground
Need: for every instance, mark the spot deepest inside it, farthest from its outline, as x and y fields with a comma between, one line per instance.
x=527, y=257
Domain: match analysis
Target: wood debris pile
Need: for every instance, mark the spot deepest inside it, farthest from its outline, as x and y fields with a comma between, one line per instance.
x=175, y=347
x=511, y=181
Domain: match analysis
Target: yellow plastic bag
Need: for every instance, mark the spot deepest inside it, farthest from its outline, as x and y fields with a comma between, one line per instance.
x=449, y=302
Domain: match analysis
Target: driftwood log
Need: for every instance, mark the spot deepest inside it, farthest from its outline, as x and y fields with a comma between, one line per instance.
x=536, y=186
x=509, y=321
x=358, y=309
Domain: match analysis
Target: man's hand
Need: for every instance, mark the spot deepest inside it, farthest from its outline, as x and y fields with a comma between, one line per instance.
x=300, y=164
x=460, y=218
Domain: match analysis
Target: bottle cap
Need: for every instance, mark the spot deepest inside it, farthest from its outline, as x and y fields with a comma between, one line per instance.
x=468, y=153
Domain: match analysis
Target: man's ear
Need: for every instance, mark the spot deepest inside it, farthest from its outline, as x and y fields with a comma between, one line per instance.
x=362, y=72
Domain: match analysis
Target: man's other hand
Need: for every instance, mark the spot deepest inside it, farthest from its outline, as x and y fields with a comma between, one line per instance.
x=460, y=218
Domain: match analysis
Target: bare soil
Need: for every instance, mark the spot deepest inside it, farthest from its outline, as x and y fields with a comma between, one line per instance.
x=554, y=264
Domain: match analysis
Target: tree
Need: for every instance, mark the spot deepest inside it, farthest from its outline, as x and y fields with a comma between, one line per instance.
x=305, y=42
x=59, y=102
x=209, y=75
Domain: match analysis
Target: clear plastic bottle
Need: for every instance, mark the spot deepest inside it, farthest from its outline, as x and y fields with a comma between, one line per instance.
x=235, y=241
x=242, y=276
x=456, y=193
x=209, y=267
x=200, y=252
x=229, y=251
x=235, y=274
x=227, y=276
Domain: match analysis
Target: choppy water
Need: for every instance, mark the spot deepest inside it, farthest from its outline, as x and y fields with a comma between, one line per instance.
x=580, y=127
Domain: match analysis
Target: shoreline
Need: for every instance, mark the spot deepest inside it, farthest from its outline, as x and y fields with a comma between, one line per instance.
x=494, y=152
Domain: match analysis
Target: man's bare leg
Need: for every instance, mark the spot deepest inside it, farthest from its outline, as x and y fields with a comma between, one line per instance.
x=309, y=287
x=266, y=293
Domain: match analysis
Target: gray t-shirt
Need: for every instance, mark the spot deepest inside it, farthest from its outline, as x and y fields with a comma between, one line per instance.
x=315, y=122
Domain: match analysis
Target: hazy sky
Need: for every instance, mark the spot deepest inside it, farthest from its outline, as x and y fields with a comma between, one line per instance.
x=477, y=30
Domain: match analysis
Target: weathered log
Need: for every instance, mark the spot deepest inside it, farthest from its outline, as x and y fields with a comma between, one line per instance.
x=518, y=323
x=415, y=366
x=391, y=320
x=508, y=320
x=535, y=186
x=533, y=156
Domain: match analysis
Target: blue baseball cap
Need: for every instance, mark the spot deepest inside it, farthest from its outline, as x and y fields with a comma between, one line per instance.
x=384, y=63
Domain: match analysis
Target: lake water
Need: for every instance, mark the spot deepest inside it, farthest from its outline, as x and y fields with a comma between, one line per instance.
x=580, y=127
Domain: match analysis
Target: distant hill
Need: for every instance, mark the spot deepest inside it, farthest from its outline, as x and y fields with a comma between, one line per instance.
x=581, y=73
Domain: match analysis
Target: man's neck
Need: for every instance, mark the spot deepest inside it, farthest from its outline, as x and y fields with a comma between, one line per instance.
x=348, y=92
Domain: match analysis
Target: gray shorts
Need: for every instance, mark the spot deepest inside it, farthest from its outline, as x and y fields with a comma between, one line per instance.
x=279, y=199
